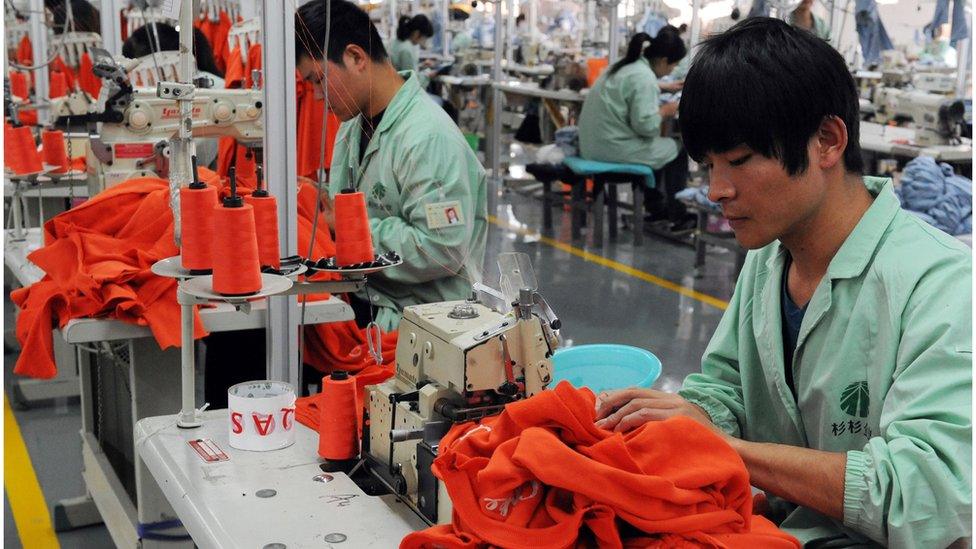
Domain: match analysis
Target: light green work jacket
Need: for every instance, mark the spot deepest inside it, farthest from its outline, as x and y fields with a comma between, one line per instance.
x=405, y=56
x=416, y=167
x=882, y=370
x=820, y=27
x=620, y=120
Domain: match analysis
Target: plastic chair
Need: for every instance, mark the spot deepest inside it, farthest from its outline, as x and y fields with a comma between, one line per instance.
x=605, y=367
x=606, y=176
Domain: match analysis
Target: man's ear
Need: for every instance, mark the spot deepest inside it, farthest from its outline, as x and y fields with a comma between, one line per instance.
x=355, y=58
x=831, y=142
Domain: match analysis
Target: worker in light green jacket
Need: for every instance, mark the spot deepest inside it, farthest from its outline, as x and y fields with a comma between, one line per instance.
x=621, y=119
x=425, y=189
x=803, y=17
x=841, y=371
x=411, y=34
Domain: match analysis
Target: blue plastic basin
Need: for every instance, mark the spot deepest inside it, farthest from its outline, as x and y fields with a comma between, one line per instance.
x=605, y=367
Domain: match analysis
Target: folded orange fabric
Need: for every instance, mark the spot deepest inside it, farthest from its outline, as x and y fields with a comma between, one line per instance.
x=542, y=475
x=97, y=259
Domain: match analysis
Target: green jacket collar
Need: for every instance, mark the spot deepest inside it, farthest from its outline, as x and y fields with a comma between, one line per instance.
x=403, y=98
x=855, y=253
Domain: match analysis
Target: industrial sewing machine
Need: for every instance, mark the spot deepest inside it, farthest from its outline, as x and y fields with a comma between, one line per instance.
x=938, y=119
x=456, y=361
x=130, y=128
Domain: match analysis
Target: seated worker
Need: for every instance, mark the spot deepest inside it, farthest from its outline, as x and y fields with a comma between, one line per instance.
x=411, y=34
x=621, y=120
x=143, y=41
x=802, y=17
x=841, y=371
x=401, y=150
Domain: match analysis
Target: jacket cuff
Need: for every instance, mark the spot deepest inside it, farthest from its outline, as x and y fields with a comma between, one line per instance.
x=855, y=487
x=718, y=412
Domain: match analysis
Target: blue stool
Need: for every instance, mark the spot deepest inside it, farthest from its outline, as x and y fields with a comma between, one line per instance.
x=605, y=367
x=606, y=175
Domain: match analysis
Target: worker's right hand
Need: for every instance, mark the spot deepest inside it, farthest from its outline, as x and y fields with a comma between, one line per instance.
x=627, y=409
x=669, y=110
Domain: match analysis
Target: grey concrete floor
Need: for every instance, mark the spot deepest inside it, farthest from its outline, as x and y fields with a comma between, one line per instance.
x=596, y=304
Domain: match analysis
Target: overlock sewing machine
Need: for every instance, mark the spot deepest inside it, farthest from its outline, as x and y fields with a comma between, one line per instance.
x=129, y=128
x=456, y=361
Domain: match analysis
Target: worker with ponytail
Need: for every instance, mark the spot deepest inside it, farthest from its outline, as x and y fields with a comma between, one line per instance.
x=622, y=117
x=411, y=34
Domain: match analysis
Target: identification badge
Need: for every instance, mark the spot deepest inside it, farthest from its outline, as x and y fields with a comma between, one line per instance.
x=444, y=214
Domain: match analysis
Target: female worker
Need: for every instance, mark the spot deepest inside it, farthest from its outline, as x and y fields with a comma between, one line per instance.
x=411, y=34
x=621, y=119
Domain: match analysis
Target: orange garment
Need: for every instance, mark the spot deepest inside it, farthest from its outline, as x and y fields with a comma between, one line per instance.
x=216, y=33
x=255, y=61
x=89, y=83
x=235, y=74
x=97, y=259
x=25, y=53
x=310, y=113
x=542, y=474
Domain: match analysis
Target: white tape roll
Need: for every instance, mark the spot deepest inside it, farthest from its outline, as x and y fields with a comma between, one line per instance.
x=262, y=415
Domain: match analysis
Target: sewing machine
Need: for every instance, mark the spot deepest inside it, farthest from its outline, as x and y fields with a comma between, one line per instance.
x=456, y=361
x=938, y=118
x=130, y=128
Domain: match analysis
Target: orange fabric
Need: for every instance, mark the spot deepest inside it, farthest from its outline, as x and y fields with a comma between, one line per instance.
x=541, y=474
x=237, y=75
x=594, y=67
x=216, y=33
x=90, y=84
x=254, y=62
x=234, y=75
x=25, y=53
x=97, y=260
x=28, y=117
x=310, y=113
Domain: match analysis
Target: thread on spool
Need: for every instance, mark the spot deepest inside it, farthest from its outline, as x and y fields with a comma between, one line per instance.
x=266, y=223
x=339, y=420
x=57, y=85
x=24, y=156
x=236, y=267
x=53, y=148
x=8, y=138
x=197, y=203
x=354, y=243
x=18, y=85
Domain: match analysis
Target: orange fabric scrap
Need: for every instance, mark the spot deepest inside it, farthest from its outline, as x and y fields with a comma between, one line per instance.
x=542, y=475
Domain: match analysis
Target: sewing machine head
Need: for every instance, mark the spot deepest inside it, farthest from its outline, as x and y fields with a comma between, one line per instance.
x=457, y=361
x=938, y=119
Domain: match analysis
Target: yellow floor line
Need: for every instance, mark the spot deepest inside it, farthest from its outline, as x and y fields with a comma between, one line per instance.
x=23, y=492
x=615, y=265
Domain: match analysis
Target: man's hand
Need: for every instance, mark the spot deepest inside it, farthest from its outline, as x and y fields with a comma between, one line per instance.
x=669, y=110
x=628, y=409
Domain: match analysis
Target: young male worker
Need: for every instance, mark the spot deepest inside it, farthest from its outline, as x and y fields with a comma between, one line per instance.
x=841, y=371
x=401, y=150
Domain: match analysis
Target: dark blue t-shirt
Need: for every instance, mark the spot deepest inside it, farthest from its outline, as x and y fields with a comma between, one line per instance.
x=792, y=319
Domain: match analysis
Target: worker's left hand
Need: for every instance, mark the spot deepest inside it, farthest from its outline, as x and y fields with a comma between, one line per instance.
x=627, y=409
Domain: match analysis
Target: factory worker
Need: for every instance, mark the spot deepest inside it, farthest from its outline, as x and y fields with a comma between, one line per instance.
x=802, y=17
x=425, y=189
x=411, y=34
x=621, y=120
x=841, y=371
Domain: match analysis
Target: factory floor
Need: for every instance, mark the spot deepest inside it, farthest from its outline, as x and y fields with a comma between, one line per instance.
x=645, y=296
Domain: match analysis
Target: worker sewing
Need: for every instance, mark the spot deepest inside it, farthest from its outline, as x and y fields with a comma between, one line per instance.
x=411, y=34
x=401, y=150
x=621, y=120
x=803, y=17
x=841, y=371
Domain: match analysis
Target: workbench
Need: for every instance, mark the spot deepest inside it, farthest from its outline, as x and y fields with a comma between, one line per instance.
x=890, y=142
x=125, y=377
x=257, y=499
x=549, y=104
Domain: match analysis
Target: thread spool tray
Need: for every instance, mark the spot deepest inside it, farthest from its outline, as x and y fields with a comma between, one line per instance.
x=380, y=263
x=171, y=267
x=202, y=287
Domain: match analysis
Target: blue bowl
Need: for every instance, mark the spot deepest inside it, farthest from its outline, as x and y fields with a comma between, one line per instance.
x=605, y=367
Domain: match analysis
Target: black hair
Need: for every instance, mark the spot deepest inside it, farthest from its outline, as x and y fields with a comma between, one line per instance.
x=84, y=15
x=408, y=25
x=141, y=43
x=667, y=44
x=348, y=24
x=767, y=85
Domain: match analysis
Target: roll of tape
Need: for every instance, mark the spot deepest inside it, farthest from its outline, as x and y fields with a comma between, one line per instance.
x=262, y=415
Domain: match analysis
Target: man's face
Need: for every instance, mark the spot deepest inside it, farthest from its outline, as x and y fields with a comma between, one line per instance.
x=759, y=198
x=343, y=85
